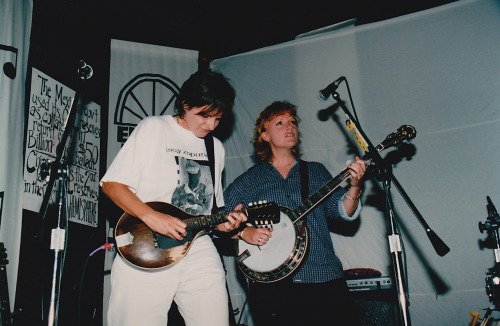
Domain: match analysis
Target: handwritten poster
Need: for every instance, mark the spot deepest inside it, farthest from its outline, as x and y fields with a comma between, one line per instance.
x=50, y=104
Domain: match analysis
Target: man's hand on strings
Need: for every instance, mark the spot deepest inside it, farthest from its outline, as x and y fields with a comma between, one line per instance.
x=166, y=225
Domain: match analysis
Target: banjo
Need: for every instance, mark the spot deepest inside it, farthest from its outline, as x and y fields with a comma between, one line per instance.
x=286, y=249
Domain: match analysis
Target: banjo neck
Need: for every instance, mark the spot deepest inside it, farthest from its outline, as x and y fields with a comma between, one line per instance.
x=405, y=132
x=312, y=201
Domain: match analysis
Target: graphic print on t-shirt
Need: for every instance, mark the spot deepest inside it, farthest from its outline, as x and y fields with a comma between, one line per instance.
x=194, y=190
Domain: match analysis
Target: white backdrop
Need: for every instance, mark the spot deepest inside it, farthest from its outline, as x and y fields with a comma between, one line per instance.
x=436, y=70
x=15, y=29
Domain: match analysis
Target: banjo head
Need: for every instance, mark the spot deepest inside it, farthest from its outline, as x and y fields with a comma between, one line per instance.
x=280, y=256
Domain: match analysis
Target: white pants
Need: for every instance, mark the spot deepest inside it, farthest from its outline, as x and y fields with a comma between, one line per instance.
x=196, y=283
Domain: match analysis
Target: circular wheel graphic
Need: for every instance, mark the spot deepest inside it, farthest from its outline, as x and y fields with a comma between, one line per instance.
x=145, y=95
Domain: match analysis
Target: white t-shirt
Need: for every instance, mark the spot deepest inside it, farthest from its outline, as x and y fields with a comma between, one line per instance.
x=161, y=161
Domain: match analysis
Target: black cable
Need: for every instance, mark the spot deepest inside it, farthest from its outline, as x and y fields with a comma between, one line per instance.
x=104, y=246
x=242, y=309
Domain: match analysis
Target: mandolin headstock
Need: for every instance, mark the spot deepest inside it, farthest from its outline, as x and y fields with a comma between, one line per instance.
x=263, y=214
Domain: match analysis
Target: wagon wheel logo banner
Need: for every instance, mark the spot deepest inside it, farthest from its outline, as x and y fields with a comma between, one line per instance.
x=145, y=95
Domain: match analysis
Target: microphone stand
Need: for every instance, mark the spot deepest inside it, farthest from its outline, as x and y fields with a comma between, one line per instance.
x=59, y=168
x=394, y=239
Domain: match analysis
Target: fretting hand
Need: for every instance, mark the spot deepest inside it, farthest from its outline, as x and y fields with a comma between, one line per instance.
x=357, y=170
x=234, y=220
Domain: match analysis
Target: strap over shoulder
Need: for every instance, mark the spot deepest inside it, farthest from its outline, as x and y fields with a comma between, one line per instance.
x=209, y=145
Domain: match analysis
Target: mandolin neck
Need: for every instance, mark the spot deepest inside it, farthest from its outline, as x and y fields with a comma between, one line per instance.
x=259, y=214
x=203, y=221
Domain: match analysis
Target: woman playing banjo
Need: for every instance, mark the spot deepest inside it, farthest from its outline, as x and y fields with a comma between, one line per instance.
x=316, y=292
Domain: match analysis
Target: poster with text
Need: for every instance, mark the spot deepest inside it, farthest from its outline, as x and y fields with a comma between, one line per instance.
x=50, y=104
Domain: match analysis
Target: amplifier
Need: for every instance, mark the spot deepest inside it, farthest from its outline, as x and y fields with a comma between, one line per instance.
x=375, y=301
x=367, y=284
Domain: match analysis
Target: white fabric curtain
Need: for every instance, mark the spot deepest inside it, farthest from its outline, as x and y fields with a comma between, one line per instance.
x=437, y=70
x=15, y=29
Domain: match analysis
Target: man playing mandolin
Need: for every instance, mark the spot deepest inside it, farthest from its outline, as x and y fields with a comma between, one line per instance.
x=316, y=293
x=167, y=160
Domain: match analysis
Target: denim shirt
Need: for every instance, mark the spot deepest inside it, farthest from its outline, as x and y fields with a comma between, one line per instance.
x=263, y=182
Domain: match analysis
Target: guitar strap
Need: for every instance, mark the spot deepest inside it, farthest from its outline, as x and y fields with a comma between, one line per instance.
x=209, y=145
x=304, y=182
x=304, y=179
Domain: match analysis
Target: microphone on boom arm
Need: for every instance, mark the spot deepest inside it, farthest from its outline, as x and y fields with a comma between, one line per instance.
x=325, y=93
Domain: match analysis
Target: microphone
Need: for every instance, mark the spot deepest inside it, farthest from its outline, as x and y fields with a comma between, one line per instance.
x=85, y=71
x=325, y=93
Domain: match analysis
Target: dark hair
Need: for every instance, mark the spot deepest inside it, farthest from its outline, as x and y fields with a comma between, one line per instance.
x=203, y=88
x=262, y=150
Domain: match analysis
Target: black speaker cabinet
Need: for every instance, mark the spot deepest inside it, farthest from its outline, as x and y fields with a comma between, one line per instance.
x=376, y=307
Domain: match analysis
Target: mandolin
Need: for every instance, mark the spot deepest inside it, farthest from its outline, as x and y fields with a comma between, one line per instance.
x=146, y=249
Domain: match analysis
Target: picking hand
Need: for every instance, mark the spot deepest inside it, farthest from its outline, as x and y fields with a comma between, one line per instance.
x=166, y=225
